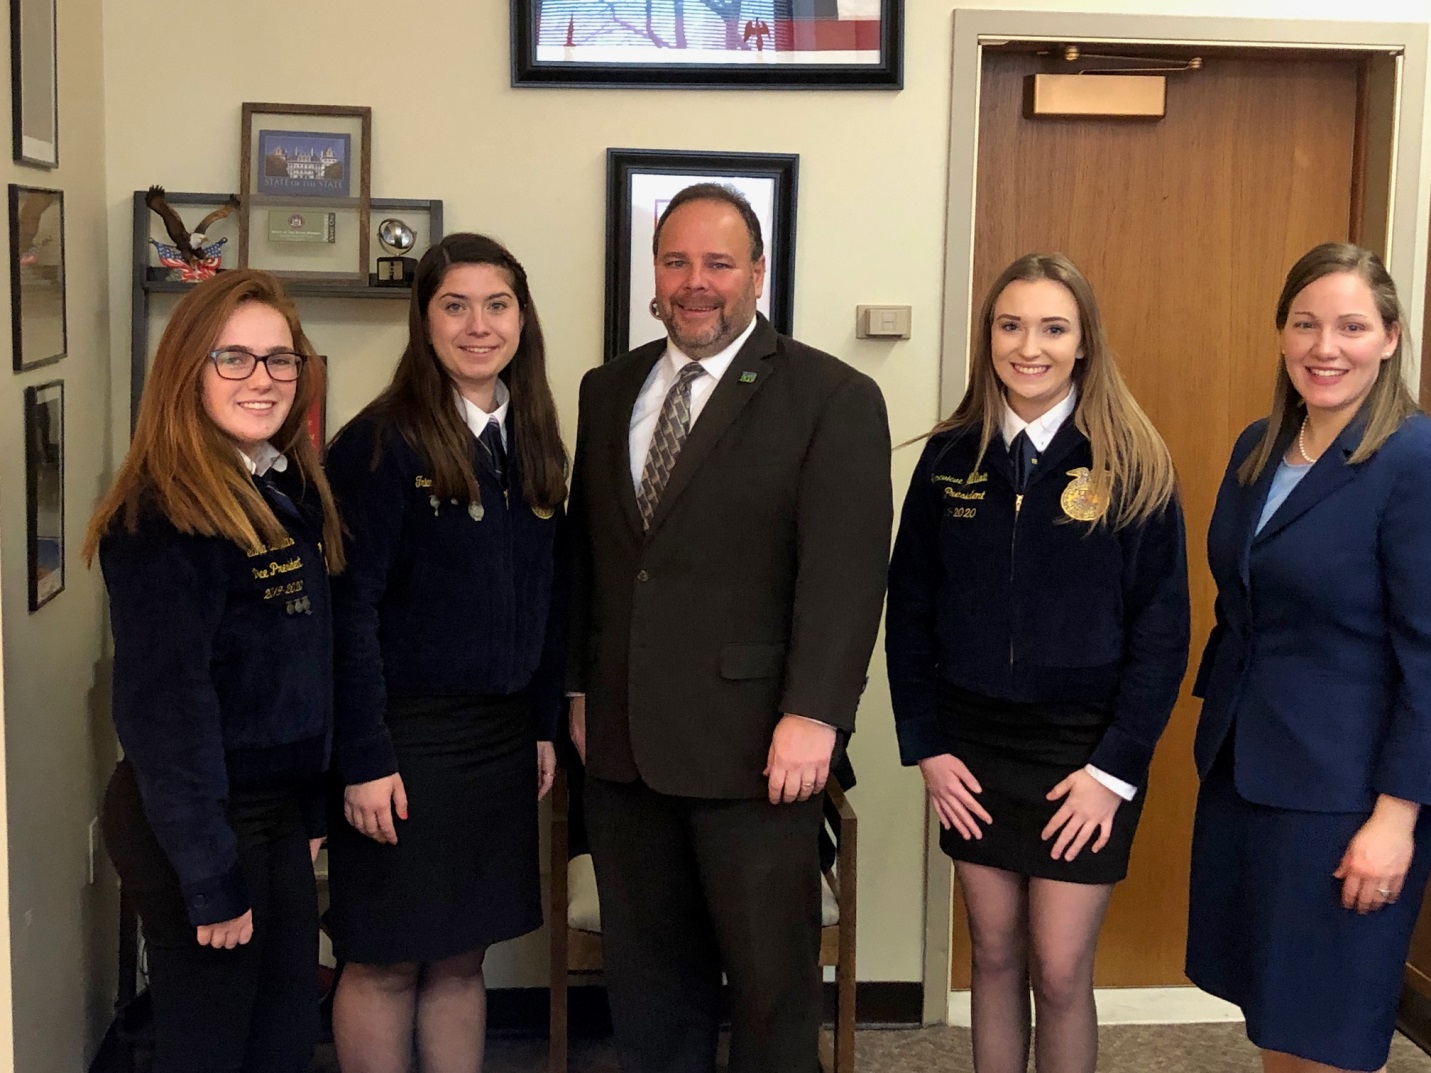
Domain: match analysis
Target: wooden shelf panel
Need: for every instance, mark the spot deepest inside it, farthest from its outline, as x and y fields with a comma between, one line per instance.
x=295, y=289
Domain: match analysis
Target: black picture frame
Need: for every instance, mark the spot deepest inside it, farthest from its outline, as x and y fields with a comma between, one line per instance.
x=45, y=491
x=770, y=181
x=39, y=329
x=34, y=82
x=752, y=54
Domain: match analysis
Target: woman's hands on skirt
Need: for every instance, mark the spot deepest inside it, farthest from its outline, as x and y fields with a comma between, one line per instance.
x=952, y=788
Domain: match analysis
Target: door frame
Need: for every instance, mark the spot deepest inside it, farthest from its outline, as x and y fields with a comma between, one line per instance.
x=1399, y=210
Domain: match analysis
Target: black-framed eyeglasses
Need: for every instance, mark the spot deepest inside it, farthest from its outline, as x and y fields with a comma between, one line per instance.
x=236, y=363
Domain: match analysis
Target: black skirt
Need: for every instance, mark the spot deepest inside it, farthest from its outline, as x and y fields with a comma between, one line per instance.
x=465, y=871
x=1019, y=752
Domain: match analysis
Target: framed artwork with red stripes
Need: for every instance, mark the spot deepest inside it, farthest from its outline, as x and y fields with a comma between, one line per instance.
x=847, y=44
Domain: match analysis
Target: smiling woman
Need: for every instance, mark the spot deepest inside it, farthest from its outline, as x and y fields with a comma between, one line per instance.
x=448, y=658
x=216, y=541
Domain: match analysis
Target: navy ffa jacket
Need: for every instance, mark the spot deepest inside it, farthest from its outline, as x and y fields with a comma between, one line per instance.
x=434, y=602
x=1319, y=665
x=222, y=678
x=1010, y=598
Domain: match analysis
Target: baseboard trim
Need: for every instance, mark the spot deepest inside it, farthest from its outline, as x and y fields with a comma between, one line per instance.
x=1136, y=1006
x=525, y=1011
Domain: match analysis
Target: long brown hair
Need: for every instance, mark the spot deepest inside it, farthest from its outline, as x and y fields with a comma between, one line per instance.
x=1387, y=404
x=1131, y=465
x=420, y=402
x=180, y=462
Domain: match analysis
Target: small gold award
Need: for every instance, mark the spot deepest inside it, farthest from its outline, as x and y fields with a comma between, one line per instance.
x=1080, y=500
x=543, y=512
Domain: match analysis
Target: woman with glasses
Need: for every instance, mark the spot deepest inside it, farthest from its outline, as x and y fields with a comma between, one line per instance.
x=449, y=657
x=216, y=541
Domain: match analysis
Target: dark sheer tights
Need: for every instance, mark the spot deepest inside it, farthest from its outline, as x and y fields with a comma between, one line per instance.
x=1038, y=932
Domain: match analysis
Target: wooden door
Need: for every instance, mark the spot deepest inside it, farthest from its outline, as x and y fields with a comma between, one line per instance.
x=1185, y=227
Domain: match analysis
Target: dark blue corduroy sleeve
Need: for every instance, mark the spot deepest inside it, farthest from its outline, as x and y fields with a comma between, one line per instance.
x=371, y=503
x=1155, y=643
x=911, y=642
x=166, y=600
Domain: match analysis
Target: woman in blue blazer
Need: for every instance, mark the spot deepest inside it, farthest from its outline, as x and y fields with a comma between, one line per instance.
x=1310, y=850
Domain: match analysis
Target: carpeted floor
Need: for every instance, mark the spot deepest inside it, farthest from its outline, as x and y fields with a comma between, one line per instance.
x=1221, y=1048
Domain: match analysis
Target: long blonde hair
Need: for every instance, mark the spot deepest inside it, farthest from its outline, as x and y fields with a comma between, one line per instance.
x=1132, y=467
x=1387, y=404
x=179, y=460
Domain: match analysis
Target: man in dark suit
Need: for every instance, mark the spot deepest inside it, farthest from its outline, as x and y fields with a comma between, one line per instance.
x=731, y=514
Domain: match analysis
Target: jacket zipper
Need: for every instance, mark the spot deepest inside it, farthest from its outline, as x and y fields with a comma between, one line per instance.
x=1013, y=541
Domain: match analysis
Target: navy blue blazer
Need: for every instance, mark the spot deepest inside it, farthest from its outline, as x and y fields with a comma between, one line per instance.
x=1319, y=664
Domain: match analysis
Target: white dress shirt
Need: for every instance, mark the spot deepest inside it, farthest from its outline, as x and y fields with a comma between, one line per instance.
x=477, y=419
x=647, y=410
x=1041, y=431
x=267, y=457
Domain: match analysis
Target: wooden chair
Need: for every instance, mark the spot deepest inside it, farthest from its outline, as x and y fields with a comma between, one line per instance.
x=573, y=949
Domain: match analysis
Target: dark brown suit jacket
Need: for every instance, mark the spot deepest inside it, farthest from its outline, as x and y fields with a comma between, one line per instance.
x=757, y=590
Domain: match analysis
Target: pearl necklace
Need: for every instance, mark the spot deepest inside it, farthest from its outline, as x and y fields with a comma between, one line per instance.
x=1302, y=443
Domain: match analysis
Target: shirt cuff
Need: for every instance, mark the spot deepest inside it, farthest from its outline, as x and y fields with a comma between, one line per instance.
x=1126, y=790
x=817, y=722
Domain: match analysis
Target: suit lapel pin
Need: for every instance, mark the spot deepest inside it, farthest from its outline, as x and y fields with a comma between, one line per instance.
x=747, y=378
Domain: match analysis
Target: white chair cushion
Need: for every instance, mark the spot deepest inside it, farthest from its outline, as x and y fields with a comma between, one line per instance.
x=583, y=909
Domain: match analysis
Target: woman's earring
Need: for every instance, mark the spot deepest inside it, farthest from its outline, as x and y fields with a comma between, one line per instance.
x=655, y=309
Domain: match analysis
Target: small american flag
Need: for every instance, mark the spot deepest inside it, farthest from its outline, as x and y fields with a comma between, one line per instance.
x=209, y=258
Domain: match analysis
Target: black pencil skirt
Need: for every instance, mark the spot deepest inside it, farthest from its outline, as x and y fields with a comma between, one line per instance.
x=465, y=871
x=1019, y=752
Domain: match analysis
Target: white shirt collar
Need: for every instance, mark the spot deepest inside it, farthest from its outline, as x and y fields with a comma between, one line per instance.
x=266, y=458
x=716, y=364
x=478, y=419
x=1041, y=429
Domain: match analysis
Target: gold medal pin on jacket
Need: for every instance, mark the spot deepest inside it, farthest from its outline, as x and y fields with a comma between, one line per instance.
x=1081, y=501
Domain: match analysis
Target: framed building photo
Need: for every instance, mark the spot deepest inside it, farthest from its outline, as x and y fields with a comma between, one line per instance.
x=849, y=44
x=37, y=276
x=305, y=187
x=45, y=490
x=639, y=185
x=34, y=82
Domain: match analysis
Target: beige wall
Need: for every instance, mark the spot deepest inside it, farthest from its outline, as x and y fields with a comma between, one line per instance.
x=57, y=742
x=528, y=165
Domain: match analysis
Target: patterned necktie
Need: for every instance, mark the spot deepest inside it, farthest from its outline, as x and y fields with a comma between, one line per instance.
x=672, y=428
x=491, y=441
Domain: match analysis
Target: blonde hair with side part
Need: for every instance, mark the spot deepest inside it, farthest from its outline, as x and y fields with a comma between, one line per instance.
x=1132, y=468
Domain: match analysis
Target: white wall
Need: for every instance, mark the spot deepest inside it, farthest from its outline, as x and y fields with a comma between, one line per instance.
x=57, y=743
x=529, y=166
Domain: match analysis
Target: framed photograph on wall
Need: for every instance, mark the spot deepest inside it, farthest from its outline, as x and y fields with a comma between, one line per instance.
x=37, y=276
x=639, y=185
x=306, y=191
x=34, y=82
x=846, y=44
x=45, y=490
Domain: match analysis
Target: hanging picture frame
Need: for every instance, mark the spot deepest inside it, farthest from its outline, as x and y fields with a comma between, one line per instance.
x=815, y=44
x=37, y=276
x=34, y=82
x=45, y=491
x=306, y=190
x=640, y=183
